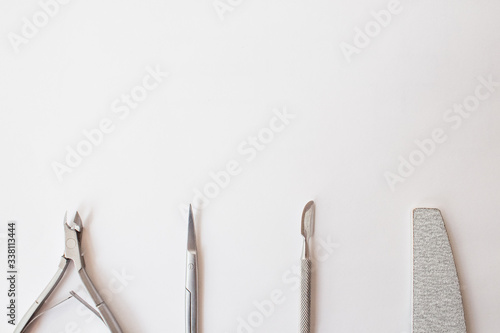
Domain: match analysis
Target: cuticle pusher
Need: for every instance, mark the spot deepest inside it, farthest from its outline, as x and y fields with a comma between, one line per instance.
x=307, y=230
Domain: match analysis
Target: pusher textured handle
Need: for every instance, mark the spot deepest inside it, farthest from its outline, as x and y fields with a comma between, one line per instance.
x=305, y=297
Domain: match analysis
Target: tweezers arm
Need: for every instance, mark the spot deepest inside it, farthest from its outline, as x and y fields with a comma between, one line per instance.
x=33, y=310
x=106, y=314
x=191, y=293
x=305, y=296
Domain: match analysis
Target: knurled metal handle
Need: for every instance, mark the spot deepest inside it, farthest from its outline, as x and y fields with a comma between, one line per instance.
x=305, y=296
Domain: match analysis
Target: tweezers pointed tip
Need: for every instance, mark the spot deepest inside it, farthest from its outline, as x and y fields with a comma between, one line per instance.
x=191, y=232
x=191, y=216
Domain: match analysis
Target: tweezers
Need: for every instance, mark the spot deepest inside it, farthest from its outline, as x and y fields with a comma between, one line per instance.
x=191, y=278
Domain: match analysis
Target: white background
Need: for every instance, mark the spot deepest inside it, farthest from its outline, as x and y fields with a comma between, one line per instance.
x=353, y=120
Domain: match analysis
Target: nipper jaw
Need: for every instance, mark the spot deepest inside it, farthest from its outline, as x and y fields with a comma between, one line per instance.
x=73, y=237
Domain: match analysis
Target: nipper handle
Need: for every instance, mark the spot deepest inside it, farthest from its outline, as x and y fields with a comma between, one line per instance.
x=106, y=314
x=31, y=315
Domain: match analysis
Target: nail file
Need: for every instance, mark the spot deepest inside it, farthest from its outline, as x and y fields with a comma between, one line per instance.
x=437, y=300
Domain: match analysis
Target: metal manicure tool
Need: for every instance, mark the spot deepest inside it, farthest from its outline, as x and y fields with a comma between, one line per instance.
x=191, y=278
x=307, y=229
x=72, y=253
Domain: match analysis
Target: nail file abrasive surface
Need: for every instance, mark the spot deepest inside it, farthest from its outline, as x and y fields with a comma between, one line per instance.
x=437, y=300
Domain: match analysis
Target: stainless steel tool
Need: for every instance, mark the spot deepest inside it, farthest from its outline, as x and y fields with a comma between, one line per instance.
x=73, y=236
x=437, y=300
x=307, y=229
x=191, y=278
